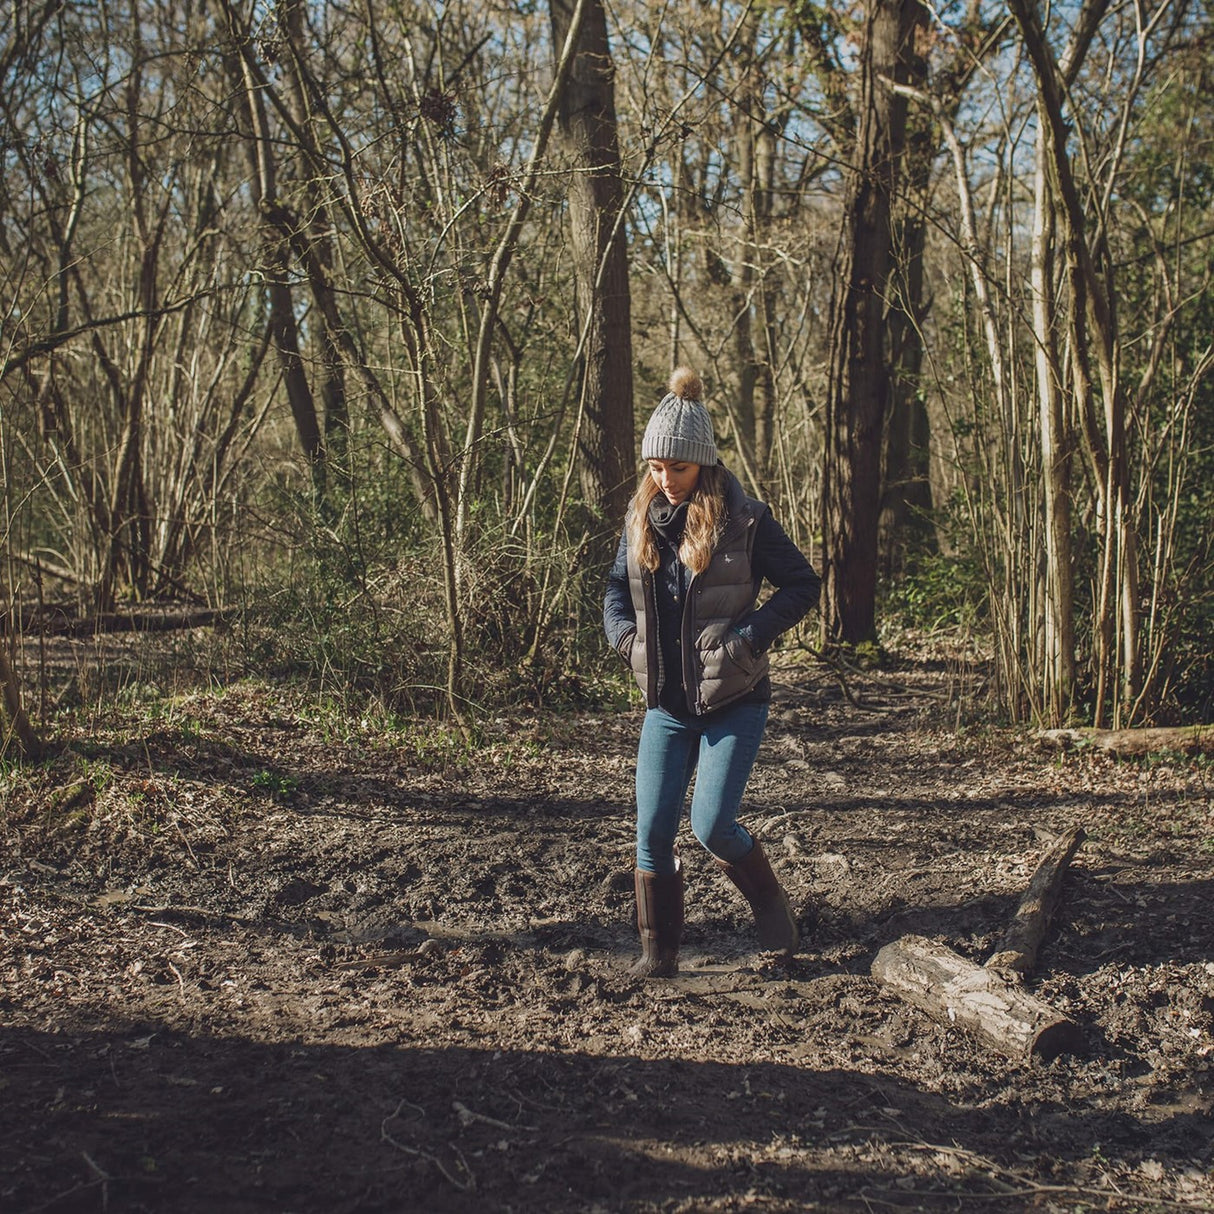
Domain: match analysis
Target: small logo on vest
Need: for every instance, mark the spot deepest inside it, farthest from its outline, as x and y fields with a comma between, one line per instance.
x=728, y=558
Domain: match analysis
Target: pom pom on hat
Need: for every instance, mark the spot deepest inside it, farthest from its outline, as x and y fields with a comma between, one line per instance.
x=686, y=384
x=680, y=428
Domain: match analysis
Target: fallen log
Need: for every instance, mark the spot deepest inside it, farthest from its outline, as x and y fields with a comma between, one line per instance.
x=1017, y=951
x=989, y=1000
x=60, y=623
x=1184, y=739
x=956, y=991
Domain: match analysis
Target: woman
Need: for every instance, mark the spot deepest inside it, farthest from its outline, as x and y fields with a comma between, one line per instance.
x=680, y=608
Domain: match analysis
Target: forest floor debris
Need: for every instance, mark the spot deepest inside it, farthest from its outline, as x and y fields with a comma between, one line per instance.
x=257, y=957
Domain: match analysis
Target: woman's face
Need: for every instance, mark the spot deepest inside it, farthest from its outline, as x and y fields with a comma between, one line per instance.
x=675, y=477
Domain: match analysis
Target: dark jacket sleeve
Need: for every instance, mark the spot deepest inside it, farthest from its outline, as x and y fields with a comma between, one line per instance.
x=619, y=617
x=779, y=561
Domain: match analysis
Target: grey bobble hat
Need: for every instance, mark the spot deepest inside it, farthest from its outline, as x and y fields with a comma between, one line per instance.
x=680, y=427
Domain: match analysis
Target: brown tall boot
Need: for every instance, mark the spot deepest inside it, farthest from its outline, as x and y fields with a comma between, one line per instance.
x=777, y=925
x=660, y=922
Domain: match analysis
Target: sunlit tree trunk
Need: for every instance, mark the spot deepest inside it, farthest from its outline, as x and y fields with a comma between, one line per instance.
x=311, y=236
x=263, y=161
x=756, y=282
x=1058, y=646
x=1094, y=334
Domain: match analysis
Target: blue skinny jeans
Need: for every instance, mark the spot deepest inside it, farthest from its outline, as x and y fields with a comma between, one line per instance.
x=720, y=751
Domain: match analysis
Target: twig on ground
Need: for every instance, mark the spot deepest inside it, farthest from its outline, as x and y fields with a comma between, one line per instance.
x=83, y=1187
x=427, y=948
x=467, y=1116
x=464, y=1186
x=103, y=1178
x=837, y=667
x=188, y=845
x=171, y=927
x=1021, y=1185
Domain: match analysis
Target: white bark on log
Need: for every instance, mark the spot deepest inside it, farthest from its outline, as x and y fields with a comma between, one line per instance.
x=1187, y=739
x=956, y=991
x=1021, y=942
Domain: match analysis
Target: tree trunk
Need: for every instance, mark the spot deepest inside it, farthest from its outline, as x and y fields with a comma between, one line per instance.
x=1058, y=666
x=15, y=721
x=755, y=298
x=587, y=121
x=906, y=498
x=312, y=240
x=277, y=269
x=858, y=387
x=1094, y=334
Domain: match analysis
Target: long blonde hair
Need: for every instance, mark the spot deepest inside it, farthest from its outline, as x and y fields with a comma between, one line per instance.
x=705, y=520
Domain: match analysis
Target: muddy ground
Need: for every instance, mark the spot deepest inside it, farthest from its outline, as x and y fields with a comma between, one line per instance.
x=261, y=956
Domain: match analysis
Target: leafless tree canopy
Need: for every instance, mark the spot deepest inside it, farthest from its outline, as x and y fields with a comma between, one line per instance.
x=348, y=316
